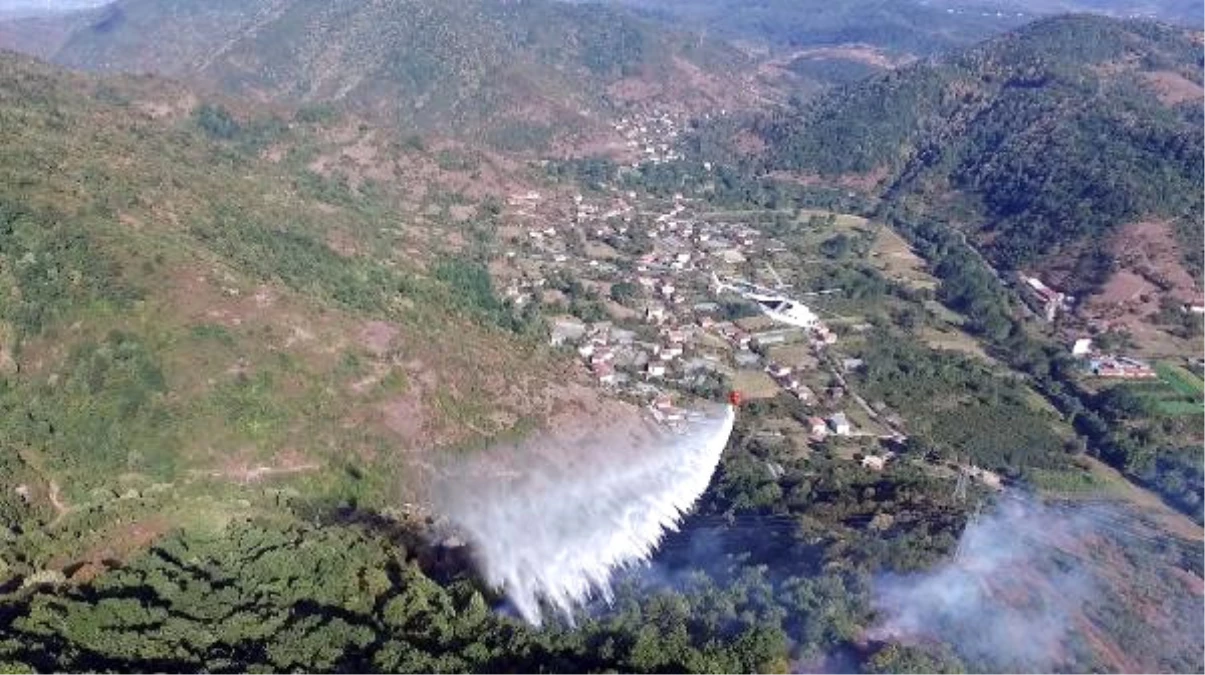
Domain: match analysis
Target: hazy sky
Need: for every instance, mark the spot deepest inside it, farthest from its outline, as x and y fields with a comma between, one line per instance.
x=10, y=7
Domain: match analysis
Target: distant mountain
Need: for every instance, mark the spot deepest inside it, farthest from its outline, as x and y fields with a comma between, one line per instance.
x=1038, y=141
x=901, y=26
x=919, y=27
x=515, y=71
x=1184, y=12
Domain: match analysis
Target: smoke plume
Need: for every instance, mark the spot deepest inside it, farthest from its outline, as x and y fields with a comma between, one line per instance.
x=1028, y=590
x=551, y=519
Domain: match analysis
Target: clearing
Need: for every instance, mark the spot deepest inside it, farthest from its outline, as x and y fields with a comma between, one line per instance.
x=1150, y=269
x=954, y=340
x=1172, y=88
x=894, y=258
x=754, y=384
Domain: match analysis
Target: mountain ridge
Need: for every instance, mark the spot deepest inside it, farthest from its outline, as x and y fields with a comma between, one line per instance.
x=525, y=70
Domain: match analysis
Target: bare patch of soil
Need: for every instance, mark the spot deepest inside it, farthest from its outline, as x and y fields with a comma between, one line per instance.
x=376, y=336
x=405, y=416
x=853, y=181
x=634, y=89
x=1150, y=268
x=1192, y=583
x=167, y=107
x=39, y=36
x=861, y=53
x=284, y=462
x=116, y=545
x=748, y=143
x=1173, y=88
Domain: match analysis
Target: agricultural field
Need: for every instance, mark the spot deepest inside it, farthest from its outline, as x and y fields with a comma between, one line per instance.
x=892, y=256
x=1176, y=393
x=754, y=384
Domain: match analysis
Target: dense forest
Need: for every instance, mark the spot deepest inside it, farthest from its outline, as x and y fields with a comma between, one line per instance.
x=342, y=588
x=776, y=571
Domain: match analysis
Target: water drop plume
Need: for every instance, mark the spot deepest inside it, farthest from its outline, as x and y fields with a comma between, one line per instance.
x=552, y=518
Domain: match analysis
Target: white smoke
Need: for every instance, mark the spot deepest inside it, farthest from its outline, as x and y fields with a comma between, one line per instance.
x=553, y=518
x=1004, y=599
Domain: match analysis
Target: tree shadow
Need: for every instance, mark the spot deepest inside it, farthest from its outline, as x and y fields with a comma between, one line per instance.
x=439, y=554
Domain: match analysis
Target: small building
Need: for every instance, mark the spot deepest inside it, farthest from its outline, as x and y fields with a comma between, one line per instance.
x=839, y=423
x=804, y=394
x=817, y=428
x=670, y=352
x=622, y=336
x=851, y=365
x=731, y=256
x=1082, y=347
x=1121, y=367
x=824, y=336
x=1052, y=301
x=603, y=354
x=566, y=330
x=746, y=359
x=777, y=336
x=874, y=462
x=778, y=371
x=989, y=479
x=655, y=369
x=675, y=335
x=605, y=372
x=654, y=314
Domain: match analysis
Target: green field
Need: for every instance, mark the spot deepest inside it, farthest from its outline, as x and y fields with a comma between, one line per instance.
x=1177, y=392
x=1184, y=382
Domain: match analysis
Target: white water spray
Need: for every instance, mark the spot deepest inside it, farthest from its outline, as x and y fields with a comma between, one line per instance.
x=554, y=518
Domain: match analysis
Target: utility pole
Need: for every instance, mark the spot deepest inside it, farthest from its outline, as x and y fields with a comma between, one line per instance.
x=960, y=488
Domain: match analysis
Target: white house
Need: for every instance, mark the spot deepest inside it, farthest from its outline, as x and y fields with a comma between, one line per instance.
x=1082, y=347
x=840, y=424
x=874, y=462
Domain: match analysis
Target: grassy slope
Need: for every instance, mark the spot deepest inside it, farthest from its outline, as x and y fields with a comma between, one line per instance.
x=175, y=323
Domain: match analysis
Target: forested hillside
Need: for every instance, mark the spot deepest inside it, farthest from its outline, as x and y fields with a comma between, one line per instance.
x=517, y=72
x=1036, y=141
x=179, y=315
x=903, y=26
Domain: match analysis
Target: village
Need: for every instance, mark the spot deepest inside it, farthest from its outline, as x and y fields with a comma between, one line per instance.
x=670, y=314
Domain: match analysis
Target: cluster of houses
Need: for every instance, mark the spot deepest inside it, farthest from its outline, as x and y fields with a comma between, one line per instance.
x=674, y=332
x=652, y=136
x=617, y=356
x=666, y=256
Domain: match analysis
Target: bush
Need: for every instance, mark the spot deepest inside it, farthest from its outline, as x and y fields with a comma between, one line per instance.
x=216, y=121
